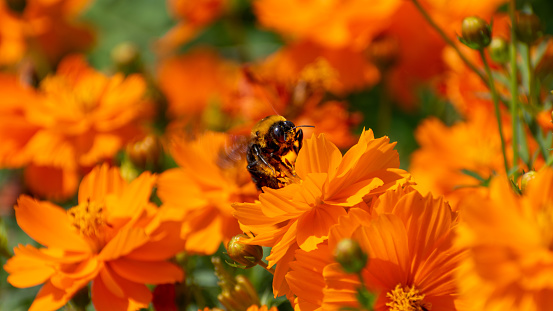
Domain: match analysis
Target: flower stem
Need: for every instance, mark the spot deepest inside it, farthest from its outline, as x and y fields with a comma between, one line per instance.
x=514, y=86
x=449, y=41
x=495, y=99
x=265, y=266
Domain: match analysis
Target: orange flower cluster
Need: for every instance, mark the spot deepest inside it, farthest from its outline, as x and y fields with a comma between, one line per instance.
x=157, y=166
x=114, y=237
x=300, y=215
x=75, y=119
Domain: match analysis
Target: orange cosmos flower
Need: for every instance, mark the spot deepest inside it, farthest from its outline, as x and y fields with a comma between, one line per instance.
x=437, y=166
x=203, y=73
x=349, y=69
x=334, y=24
x=300, y=215
x=509, y=242
x=77, y=118
x=114, y=237
x=408, y=238
x=212, y=175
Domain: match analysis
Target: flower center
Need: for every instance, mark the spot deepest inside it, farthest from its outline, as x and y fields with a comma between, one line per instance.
x=405, y=298
x=89, y=219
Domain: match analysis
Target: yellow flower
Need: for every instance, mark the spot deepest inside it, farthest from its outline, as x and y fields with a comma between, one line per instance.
x=300, y=215
x=114, y=237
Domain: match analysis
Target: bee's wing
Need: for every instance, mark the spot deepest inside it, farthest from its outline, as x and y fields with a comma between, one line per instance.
x=233, y=152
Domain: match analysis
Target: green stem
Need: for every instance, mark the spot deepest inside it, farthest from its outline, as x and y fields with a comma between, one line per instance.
x=495, y=99
x=449, y=41
x=514, y=87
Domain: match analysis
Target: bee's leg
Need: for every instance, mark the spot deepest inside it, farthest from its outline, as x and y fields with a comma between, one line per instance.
x=299, y=139
x=258, y=155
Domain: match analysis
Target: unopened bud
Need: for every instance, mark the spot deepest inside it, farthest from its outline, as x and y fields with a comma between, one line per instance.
x=528, y=27
x=126, y=57
x=144, y=152
x=499, y=50
x=350, y=256
x=527, y=178
x=383, y=52
x=246, y=255
x=476, y=33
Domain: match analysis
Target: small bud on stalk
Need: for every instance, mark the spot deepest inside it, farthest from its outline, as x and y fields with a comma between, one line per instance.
x=383, y=52
x=528, y=27
x=350, y=256
x=145, y=152
x=499, y=50
x=244, y=254
x=527, y=178
x=476, y=33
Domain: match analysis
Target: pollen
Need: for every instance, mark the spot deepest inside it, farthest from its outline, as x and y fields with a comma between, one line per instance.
x=405, y=298
x=89, y=218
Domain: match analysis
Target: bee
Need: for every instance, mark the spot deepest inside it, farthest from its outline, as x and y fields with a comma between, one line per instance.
x=272, y=150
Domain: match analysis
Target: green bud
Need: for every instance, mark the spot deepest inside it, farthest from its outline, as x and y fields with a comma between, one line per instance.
x=528, y=27
x=527, y=178
x=244, y=254
x=499, y=50
x=350, y=256
x=476, y=33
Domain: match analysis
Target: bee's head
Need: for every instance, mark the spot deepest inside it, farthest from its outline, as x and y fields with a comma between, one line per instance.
x=282, y=131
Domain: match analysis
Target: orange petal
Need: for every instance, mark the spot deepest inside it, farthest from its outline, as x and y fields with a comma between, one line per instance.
x=48, y=224
x=111, y=292
x=27, y=271
x=147, y=272
x=282, y=246
x=51, y=182
x=50, y=298
x=314, y=226
x=126, y=240
x=279, y=205
x=99, y=182
x=318, y=155
x=164, y=243
x=134, y=197
x=346, y=225
x=306, y=278
x=385, y=240
x=176, y=188
x=341, y=288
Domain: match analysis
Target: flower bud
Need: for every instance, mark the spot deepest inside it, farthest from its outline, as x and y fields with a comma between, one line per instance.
x=126, y=57
x=499, y=50
x=476, y=33
x=244, y=254
x=144, y=152
x=350, y=256
x=527, y=178
x=383, y=52
x=528, y=27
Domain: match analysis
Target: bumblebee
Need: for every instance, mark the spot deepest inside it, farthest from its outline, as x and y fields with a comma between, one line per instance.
x=272, y=150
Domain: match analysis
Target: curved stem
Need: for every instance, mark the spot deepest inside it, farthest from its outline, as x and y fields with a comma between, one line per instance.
x=265, y=266
x=449, y=41
x=514, y=86
x=496, y=108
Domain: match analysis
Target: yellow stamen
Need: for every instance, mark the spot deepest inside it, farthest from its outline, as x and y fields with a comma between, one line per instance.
x=89, y=219
x=405, y=298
